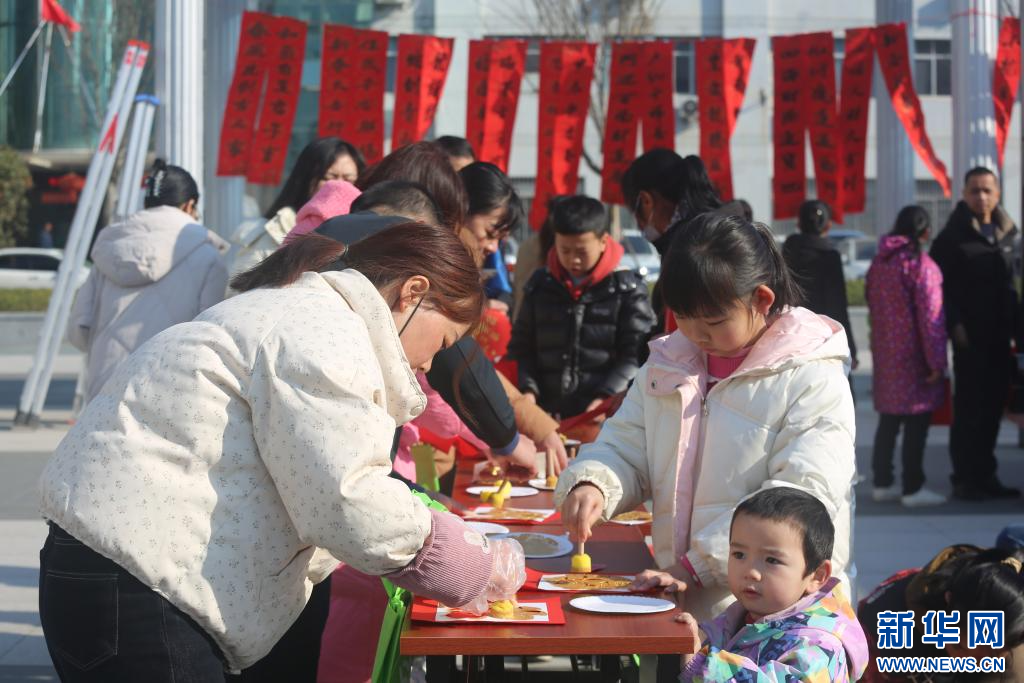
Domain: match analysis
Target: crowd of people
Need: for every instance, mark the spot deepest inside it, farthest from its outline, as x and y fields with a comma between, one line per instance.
x=242, y=474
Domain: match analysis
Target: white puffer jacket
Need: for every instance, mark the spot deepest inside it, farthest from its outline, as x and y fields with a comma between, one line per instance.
x=255, y=240
x=156, y=269
x=224, y=450
x=784, y=418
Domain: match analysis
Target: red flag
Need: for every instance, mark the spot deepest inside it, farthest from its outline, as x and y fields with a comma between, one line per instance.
x=1006, y=79
x=819, y=90
x=789, y=184
x=281, y=97
x=853, y=114
x=723, y=68
x=353, y=77
x=50, y=11
x=640, y=91
x=251, y=67
x=894, y=60
x=422, y=68
x=496, y=70
x=566, y=71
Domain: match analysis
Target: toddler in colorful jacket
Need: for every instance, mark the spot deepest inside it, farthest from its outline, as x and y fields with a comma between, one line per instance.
x=791, y=620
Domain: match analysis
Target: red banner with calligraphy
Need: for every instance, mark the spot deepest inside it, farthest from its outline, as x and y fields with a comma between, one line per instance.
x=1006, y=79
x=640, y=92
x=894, y=60
x=723, y=68
x=496, y=69
x=566, y=71
x=422, y=68
x=353, y=77
x=820, y=106
x=858, y=65
x=255, y=46
x=789, y=184
x=274, y=132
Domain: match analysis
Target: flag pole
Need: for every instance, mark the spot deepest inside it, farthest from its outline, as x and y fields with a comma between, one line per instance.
x=37, y=138
x=21, y=57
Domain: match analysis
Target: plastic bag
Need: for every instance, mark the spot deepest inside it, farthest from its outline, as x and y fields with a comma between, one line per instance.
x=508, y=574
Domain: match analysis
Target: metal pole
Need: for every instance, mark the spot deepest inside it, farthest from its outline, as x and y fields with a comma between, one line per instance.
x=82, y=248
x=21, y=57
x=128, y=176
x=894, y=168
x=150, y=103
x=87, y=197
x=37, y=139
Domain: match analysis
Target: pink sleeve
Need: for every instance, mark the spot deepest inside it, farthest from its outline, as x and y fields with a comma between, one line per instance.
x=931, y=320
x=334, y=198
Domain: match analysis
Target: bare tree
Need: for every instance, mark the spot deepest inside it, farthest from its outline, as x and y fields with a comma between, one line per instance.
x=594, y=21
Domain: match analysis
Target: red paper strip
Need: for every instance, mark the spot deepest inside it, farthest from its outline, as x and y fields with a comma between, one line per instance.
x=496, y=69
x=254, y=54
x=1006, y=79
x=820, y=107
x=894, y=60
x=422, y=67
x=353, y=77
x=723, y=68
x=853, y=114
x=789, y=183
x=640, y=91
x=566, y=70
x=270, y=145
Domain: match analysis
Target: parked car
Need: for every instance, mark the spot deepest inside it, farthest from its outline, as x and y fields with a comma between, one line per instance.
x=857, y=254
x=641, y=256
x=32, y=268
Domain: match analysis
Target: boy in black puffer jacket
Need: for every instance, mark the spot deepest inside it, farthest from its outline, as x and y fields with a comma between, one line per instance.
x=584, y=319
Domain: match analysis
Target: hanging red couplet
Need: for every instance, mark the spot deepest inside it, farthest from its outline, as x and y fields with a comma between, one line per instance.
x=255, y=46
x=422, y=68
x=723, y=68
x=566, y=70
x=496, y=70
x=1006, y=79
x=270, y=147
x=788, y=180
x=820, y=105
x=353, y=77
x=894, y=60
x=858, y=65
x=640, y=90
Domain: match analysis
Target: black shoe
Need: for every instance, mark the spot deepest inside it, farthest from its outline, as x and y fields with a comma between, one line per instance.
x=971, y=492
x=995, y=489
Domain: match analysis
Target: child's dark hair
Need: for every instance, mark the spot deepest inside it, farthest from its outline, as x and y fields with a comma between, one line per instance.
x=578, y=215
x=814, y=217
x=912, y=222
x=717, y=260
x=169, y=186
x=454, y=146
x=399, y=198
x=314, y=161
x=800, y=510
x=489, y=189
x=684, y=181
x=992, y=581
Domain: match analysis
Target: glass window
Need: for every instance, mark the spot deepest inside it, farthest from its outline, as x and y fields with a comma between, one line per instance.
x=8, y=261
x=685, y=63
x=41, y=262
x=932, y=67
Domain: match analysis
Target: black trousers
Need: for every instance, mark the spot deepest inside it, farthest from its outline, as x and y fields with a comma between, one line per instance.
x=103, y=625
x=981, y=385
x=915, y=434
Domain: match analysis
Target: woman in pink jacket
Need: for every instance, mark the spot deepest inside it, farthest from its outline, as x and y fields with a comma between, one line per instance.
x=908, y=348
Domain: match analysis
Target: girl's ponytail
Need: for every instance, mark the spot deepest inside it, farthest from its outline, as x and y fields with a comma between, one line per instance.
x=168, y=185
x=993, y=581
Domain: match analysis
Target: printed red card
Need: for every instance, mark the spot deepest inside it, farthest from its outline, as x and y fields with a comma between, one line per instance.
x=534, y=611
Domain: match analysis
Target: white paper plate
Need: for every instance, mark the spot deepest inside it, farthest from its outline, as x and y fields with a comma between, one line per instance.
x=516, y=492
x=486, y=528
x=541, y=484
x=622, y=604
x=564, y=544
x=631, y=522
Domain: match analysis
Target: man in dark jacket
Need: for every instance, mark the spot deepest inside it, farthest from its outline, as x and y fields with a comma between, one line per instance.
x=979, y=254
x=818, y=267
x=583, y=321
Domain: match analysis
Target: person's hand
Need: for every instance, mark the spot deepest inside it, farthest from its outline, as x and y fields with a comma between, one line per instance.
x=959, y=336
x=690, y=624
x=508, y=574
x=524, y=455
x=553, y=445
x=671, y=582
x=581, y=509
x=530, y=397
x=933, y=377
x=497, y=305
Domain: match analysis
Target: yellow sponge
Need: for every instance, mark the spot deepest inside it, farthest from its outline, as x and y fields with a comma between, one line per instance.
x=581, y=563
x=502, y=609
x=497, y=501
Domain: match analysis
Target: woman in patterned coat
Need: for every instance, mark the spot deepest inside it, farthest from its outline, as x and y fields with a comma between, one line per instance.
x=186, y=503
x=908, y=348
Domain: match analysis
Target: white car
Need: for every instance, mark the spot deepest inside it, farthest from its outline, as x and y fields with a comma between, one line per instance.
x=32, y=268
x=857, y=254
x=641, y=256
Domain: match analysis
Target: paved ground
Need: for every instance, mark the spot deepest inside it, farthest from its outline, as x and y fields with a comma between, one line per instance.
x=887, y=536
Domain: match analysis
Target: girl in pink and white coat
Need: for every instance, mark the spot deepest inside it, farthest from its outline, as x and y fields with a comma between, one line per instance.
x=750, y=393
